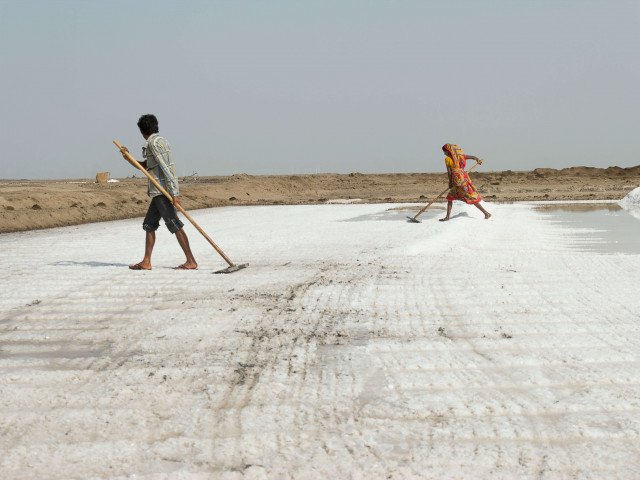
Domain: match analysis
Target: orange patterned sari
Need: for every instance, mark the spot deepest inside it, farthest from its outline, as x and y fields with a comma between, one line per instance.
x=462, y=187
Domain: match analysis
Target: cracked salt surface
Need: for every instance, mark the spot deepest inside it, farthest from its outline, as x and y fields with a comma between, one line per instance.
x=348, y=349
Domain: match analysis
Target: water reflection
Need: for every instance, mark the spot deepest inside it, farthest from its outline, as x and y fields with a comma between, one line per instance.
x=597, y=227
x=579, y=207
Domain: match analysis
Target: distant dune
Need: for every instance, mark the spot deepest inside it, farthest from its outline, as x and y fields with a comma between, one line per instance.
x=27, y=205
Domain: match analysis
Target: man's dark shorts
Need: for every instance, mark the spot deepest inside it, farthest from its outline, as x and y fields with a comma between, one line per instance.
x=161, y=207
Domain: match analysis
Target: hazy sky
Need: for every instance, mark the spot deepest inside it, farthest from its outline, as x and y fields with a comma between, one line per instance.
x=318, y=86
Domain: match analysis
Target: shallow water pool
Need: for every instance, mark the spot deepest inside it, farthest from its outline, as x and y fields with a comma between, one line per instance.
x=599, y=227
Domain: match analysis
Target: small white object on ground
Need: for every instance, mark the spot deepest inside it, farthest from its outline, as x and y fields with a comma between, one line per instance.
x=632, y=198
x=631, y=202
x=343, y=201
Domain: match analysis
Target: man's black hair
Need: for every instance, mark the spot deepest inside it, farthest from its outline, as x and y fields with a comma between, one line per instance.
x=148, y=124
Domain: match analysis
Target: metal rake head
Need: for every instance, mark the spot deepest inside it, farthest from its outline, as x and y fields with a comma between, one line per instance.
x=232, y=268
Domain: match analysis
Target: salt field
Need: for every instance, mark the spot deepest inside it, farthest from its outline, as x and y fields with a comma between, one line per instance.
x=356, y=345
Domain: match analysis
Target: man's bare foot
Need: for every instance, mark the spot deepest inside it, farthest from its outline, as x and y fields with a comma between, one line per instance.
x=140, y=266
x=445, y=219
x=487, y=216
x=187, y=266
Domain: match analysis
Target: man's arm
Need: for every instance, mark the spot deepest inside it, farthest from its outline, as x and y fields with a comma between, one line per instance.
x=125, y=150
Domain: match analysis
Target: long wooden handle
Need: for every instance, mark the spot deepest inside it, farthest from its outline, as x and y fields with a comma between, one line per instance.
x=429, y=204
x=445, y=191
x=137, y=165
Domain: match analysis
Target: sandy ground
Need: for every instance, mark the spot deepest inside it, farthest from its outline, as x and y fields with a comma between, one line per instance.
x=356, y=345
x=26, y=205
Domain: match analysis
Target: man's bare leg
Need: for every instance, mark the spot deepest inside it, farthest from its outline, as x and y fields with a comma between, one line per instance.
x=487, y=215
x=190, y=264
x=145, y=264
x=449, y=205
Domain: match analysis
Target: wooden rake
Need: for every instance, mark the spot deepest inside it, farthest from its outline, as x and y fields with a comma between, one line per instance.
x=232, y=266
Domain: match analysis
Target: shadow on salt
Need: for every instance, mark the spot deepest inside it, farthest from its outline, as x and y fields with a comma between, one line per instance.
x=70, y=263
x=598, y=227
x=399, y=214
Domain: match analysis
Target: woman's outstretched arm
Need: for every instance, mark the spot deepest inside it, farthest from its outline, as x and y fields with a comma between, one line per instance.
x=471, y=157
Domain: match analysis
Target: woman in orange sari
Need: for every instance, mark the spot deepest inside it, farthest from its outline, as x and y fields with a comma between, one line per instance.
x=460, y=185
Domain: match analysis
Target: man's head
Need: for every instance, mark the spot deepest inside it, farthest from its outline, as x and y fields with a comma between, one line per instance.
x=148, y=125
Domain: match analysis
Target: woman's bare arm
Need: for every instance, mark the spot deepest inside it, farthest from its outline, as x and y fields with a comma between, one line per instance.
x=471, y=157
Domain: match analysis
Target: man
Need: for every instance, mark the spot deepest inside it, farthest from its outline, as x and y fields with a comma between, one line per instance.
x=157, y=161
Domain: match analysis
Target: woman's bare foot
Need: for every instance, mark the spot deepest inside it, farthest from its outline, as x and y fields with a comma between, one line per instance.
x=140, y=266
x=445, y=219
x=187, y=266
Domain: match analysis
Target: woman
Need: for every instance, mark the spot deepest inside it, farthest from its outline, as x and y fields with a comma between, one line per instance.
x=461, y=187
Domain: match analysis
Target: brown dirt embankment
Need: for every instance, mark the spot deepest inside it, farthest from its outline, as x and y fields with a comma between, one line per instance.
x=27, y=205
